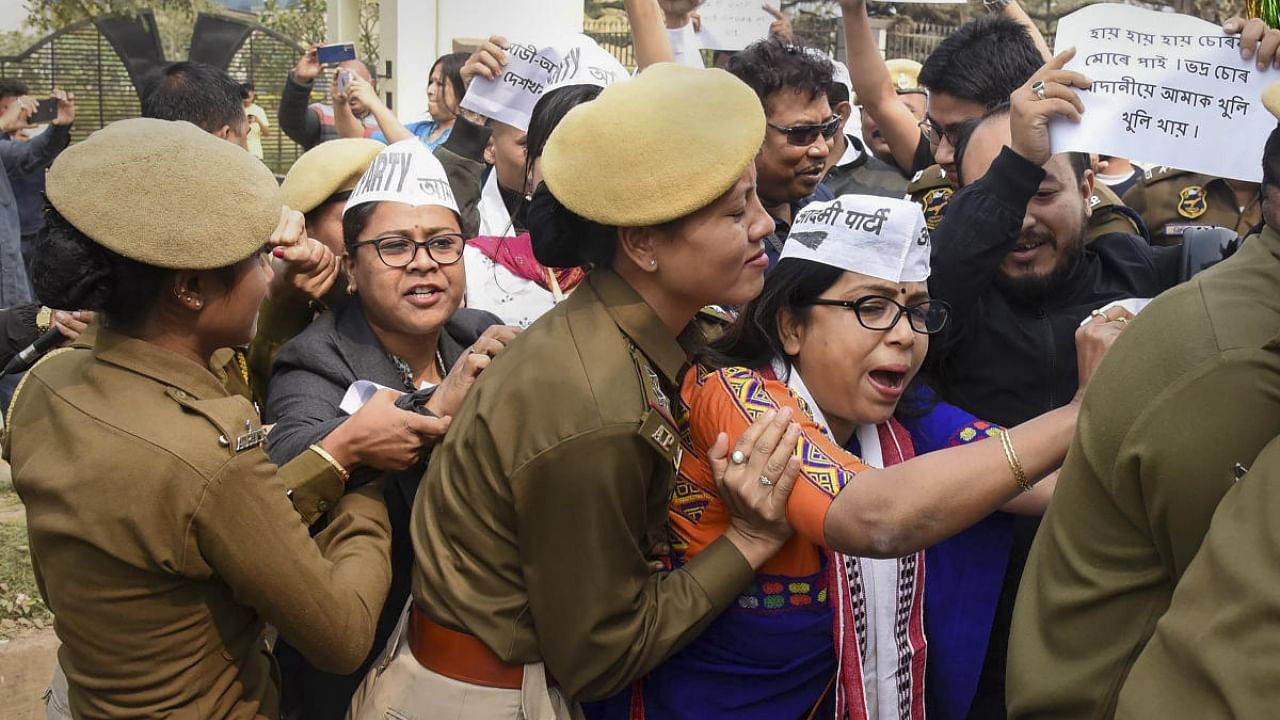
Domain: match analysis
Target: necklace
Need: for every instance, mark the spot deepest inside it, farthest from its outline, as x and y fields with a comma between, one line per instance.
x=406, y=372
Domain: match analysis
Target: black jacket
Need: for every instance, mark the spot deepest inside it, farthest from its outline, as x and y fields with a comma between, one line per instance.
x=1000, y=358
x=298, y=122
x=309, y=378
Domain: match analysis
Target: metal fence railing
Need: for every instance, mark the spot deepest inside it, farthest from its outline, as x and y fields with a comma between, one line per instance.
x=915, y=41
x=81, y=59
x=265, y=59
x=613, y=35
x=909, y=40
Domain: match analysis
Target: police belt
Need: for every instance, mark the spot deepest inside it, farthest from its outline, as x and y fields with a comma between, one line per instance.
x=459, y=656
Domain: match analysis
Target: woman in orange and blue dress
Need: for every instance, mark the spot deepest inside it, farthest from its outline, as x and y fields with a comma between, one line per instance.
x=838, y=335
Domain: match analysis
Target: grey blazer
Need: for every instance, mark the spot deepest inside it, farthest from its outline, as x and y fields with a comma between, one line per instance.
x=314, y=370
x=308, y=380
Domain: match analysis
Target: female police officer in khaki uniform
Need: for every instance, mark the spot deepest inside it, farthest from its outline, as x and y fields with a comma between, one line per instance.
x=162, y=537
x=532, y=526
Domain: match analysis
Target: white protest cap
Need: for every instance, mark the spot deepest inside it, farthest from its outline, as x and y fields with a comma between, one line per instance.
x=405, y=172
x=885, y=238
x=842, y=76
x=584, y=62
x=533, y=70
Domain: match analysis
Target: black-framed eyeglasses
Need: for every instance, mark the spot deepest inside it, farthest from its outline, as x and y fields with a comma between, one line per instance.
x=934, y=133
x=397, y=251
x=802, y=135
x=876, y=312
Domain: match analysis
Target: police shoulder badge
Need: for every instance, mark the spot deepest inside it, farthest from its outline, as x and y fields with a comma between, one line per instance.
x=1192, y=202
x=934, y=205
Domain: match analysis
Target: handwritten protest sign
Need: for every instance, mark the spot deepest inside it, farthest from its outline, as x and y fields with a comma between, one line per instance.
x=532, y=70
x=1168, y=89
x=733, y=24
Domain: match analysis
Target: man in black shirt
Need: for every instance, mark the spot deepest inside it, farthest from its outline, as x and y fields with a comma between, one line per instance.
x=1012, y=261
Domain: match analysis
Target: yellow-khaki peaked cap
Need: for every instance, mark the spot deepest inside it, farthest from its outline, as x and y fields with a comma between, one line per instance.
x=904, y=73
x=654, y=148
x=167, y=194
x=326, y=170
x=1271, y=98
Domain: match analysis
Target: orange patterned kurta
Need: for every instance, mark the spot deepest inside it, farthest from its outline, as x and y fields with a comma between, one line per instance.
x=729, y=401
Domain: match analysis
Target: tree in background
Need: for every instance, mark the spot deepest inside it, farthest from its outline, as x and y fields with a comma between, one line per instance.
x=174, y=18
x=301, y=20
x=370, y=33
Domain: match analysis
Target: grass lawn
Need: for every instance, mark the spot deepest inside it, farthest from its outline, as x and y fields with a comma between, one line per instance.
x=20, y=605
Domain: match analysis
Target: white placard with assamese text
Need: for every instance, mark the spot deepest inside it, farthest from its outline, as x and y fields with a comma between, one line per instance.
x=1167, y=89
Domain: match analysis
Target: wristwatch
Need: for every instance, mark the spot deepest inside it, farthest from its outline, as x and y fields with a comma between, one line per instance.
x=996, y=6
x=44, y=319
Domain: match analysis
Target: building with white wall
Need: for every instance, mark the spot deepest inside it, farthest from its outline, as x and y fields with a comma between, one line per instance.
x=416, y=32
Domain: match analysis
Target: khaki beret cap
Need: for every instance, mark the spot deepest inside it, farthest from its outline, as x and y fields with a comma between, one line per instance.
x=166, y=194
x=654, y=148
x=327, y=169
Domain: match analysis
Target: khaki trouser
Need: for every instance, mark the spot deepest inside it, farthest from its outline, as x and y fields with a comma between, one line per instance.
x=56, y=705
x=398, y=687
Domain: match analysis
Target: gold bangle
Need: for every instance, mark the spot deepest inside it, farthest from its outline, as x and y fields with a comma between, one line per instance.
x=1019, y=476
x=342, y=472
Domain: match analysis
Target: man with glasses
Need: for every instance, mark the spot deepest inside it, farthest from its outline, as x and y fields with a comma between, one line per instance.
x=972, y=70
x=1013, y=260
x=792, y=84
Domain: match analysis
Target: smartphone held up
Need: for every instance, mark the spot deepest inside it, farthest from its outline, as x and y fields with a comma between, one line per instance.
x=46, y=110
x=335, y=53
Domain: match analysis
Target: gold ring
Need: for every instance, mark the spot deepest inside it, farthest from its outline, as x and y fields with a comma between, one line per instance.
x=1123, y=320
x=1097, y=313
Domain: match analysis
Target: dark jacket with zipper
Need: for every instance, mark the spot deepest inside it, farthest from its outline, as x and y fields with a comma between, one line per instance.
x=1004, y=358
x=1007, y=359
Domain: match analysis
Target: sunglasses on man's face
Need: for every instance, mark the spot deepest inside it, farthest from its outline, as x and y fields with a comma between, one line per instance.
x=803, y=135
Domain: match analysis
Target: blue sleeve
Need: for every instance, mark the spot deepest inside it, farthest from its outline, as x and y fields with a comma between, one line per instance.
x=966, y=573
x=379, y=137
x=945, y=426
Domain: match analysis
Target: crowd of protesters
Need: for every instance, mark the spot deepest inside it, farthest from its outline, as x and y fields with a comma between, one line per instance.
x=701, y=392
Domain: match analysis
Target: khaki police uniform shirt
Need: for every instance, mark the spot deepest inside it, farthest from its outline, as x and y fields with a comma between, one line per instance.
x=1213, y=652
x=1171, y=200
x=1191, y=389
x=932, y=189
x=164, y=541
x=535, y=518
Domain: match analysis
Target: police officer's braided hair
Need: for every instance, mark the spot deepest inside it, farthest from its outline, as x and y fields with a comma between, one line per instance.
x=69, y=269
x=72, y=272
x=563, y=239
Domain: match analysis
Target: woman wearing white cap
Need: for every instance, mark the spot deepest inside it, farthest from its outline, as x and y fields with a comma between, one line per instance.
x=846, y=309
x=401, y=328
